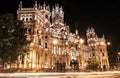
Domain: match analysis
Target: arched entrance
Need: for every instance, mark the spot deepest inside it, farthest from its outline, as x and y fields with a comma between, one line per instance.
x=74, y=65
x=104, y=68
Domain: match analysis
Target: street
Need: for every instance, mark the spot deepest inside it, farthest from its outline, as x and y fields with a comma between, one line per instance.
x=109, y=74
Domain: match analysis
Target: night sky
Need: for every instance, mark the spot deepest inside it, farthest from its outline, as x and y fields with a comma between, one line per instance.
x=102, y=15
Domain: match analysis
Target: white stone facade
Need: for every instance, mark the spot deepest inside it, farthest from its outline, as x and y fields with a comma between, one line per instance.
x=53, y=42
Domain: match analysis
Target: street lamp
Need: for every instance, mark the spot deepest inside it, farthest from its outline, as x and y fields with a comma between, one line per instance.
x=119, y=53
x=118, y=57
x=108, y=43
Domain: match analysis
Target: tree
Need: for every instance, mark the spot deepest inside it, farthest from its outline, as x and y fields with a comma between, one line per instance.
x=93, y=64
x=12, y=38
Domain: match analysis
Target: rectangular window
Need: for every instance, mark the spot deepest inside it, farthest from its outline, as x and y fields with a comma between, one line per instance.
x=39, y=41
x=46, y=45
x=103, y=54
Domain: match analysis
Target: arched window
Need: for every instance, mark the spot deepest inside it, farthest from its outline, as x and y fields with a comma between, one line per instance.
x=39, y=41
x=46, y=37
x=23, y=19
x=29, y=29
x=46, y=45
x=46, y=16
x=26, y=19
x=91, y=36
x=30, y=19
x=93, y=54
x=103, y=54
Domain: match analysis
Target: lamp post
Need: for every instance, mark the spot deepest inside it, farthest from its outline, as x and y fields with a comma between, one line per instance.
x=108, y=43
x=118, y=57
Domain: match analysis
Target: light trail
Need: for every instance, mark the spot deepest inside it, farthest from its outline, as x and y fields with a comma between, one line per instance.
x=36, y=75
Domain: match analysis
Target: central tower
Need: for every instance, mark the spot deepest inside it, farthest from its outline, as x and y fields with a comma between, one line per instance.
x=57, y=14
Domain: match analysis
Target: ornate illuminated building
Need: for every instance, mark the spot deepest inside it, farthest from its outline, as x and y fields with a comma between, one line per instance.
x=52, y=42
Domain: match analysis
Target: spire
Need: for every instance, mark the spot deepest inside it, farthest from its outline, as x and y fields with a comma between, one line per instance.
x=39, y=7
x=35, y=6
x=61, y=10
x=87, y=30
x=44, y=5
x=96, y=36
x=52, y=8
x=56, y=5
x=53, y=11
x=92, y=29
x=76, y=31
x=20, y=5
x=103, y=37
x=56, y=8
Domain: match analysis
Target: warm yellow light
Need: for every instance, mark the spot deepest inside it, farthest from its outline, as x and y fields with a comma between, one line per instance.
x=66, y=43
x=8, y=67
x=81, y=41
x=65, y=33
x=20, y=66
x=31, y=44
x=55, y=42
x=118, y=53
x=73, y=57
x=108, y=43
x=102, y=43
x=25, y=66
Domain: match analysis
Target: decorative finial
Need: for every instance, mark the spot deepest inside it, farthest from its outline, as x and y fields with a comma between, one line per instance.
x=20, y=5
x=35, y=4
x=44, y=5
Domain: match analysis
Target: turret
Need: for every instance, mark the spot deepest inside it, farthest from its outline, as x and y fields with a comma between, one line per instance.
x=91, y=37
x=57, y=14
x=91, y=33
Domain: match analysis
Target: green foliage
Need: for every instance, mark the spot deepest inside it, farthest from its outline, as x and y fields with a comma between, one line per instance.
x=12, y=38
x=93, y=64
